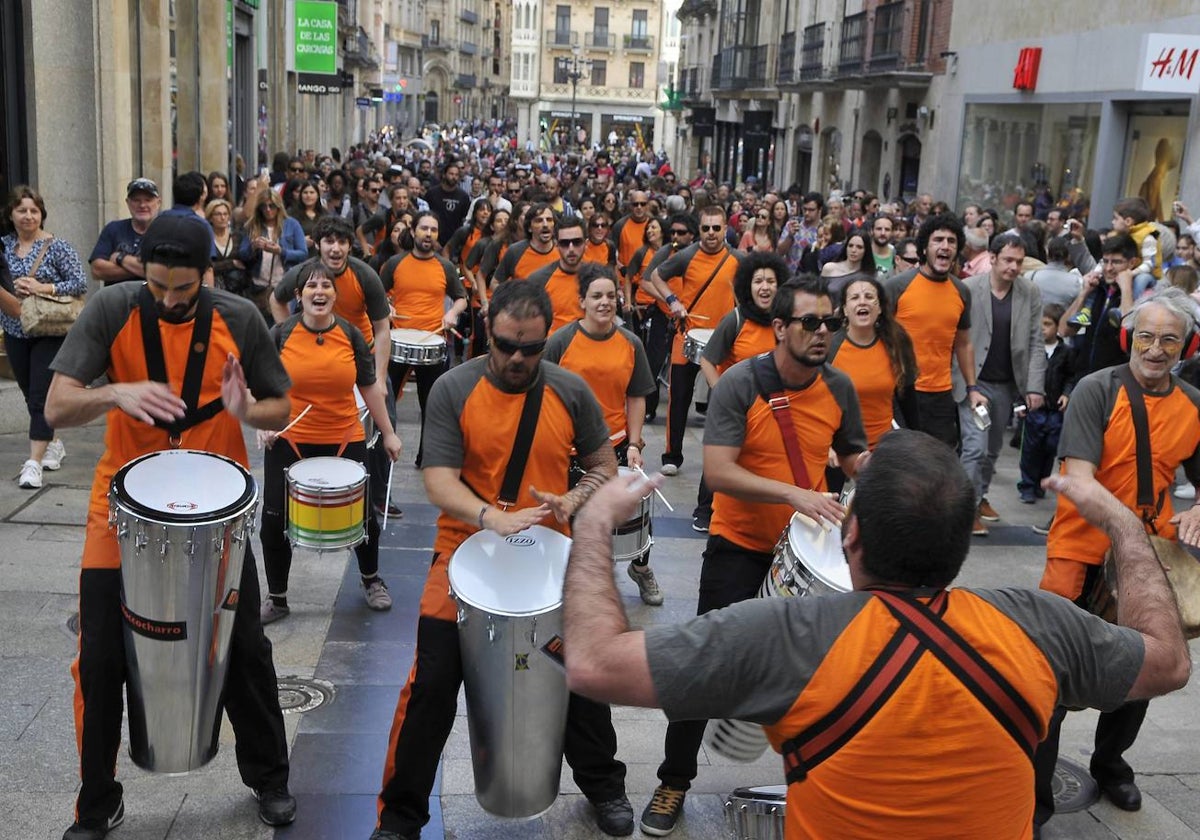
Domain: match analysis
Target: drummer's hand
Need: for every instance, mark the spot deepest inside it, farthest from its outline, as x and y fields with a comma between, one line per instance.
x=822, y=508
x=1188, y=525
x=678, y=310
x=392, y=445
x=618, y=499
x=634, y=458
x=1098, y=506
x=449, y=322
x=505, y=522
x=558, y=505
x=234, y=393
x=148, y=401
x=266, y=438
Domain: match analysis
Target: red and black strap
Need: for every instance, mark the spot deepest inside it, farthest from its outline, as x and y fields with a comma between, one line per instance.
x=770, y=388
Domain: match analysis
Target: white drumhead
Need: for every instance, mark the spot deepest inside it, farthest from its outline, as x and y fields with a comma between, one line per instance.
x=521, y=574
x=820, y=551
x=327, y=472
x=179, y=481
x=700, y=336
x=417, y=337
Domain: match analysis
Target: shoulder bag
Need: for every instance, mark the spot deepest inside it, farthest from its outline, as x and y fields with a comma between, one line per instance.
x=46, y=316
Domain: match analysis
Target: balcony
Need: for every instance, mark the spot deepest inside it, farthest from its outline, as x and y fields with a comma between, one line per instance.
x=638, y=43
x=693, y=84
x=741, y=67
x=357, y=50
x=852, y=44
x=785, y=71
x=468, y=48
x=812, y=53
x=869, y=53
x=600, y=41
x=698, y=9
x=465, y=81
x=886, y=39
x=467, y=16
x=561, y=39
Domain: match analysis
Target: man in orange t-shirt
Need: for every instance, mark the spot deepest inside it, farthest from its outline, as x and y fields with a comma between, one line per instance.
x=558, y=278
x=630, y=231
x=531, y=253
x=934, y=307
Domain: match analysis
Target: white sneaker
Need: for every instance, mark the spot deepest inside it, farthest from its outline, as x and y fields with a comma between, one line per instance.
x=669, y=469
x=31, y=475
x=1185, y=491
x=55, y=453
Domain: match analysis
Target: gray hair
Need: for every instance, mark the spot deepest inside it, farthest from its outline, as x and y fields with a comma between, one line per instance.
x=976, y=239
x=1173, y=299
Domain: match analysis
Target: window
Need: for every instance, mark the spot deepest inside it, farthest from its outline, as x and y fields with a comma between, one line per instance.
x=435, y=31
x=562, y=19
x=561, y=67
x=600, y=23
x=637, y=74
x=639, y=24
x=599, y=72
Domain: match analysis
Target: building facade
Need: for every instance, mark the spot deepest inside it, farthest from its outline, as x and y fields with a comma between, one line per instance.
x=465, y=68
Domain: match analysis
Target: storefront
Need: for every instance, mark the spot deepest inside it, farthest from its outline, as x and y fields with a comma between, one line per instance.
x=746, y=148
x=557, y=132
x=627, y=131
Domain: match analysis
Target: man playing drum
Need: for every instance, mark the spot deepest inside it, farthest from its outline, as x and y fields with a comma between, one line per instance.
x=756, y=486
x=475, y=418
x=1100, y=439
x=964, y=681
x=241, y=381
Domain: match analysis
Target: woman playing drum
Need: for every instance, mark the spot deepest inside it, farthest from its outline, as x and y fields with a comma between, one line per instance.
x=613, y=362
x=326, y=357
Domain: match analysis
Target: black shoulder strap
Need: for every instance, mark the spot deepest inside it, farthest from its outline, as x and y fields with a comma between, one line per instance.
x=708, y=282
x=193, y=376
x=1148, y=505
x=510, y=488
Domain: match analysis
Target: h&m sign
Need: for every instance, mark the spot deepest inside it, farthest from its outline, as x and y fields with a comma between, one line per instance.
x=1170, y=64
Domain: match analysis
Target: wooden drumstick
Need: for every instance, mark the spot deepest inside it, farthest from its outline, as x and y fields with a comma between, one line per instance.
x=387, y=499
x=299, y=417
x=693, y=316
x=400, y=317
x=657, y=492
x=456, y=333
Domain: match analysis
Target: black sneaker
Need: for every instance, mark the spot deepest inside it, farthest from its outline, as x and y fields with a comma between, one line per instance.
x=663, y=812
x=393, y=512
x=276, y=806
x=1044, y=530
x=615, y=817
x=384, y=834
x=701, y=522
x=79, y=832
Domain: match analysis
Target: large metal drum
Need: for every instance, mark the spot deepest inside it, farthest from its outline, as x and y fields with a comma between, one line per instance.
x=756, y=813
x=182, y=520
x=509, y=593
x=417, y=347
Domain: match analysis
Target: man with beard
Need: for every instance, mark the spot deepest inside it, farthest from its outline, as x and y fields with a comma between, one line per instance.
x=756, y=485
x=449, y=202
x=882, y=250
x=143, y=336
x=630, y=231
x=417, y=286
x=523, y=258
x=115, y=257
x=558, y=278
x=935, y=308
x=474, y=414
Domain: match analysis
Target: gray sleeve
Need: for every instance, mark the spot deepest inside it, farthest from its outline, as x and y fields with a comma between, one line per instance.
x=725, y=420
x=444, y=445
x=721, y=344
x=641, y=384
x=508, y=263
x=850, y=436
x=557, y=344
x=1081, y=257
x=372, y=286
x=896, y=286
x=454, y=287
x=676, y=265
x=1087, y=417
x=964, y=320
x=364, y=359
x=1095, y=662
x=84, y=354
x=285, y=291
x=1191, y=465
x=591, y=432
x=264, y=370
x=1036, y=383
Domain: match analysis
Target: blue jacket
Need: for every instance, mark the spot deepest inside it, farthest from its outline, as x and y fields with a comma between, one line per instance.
x=295, y=251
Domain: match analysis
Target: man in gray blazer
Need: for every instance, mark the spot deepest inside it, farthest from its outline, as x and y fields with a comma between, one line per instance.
x=1010, y=363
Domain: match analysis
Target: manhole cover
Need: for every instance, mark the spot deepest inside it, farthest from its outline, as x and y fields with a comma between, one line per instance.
x=1073, y=786
x=73, y=624
x=299, y=694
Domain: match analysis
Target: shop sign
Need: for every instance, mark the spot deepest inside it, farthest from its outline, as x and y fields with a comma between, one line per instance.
x=1025, y=76
x=1170, y=64
x=315, y=45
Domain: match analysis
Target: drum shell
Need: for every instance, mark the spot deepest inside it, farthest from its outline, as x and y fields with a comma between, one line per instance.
x=179, y=596
x=325, y=517
x=756, y=813
x=406, y=352
x=694, y=342
x=632, y=538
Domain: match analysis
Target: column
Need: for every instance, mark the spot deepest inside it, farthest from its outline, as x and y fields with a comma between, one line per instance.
x=201, y=102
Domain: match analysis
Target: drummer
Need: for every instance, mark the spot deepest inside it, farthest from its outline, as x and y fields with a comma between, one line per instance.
x=417, y=286
x=613, y=362
x=742, y=334
x=474, y=414
x=144, y=414
x=756, y=488
x=326, y=356
x=559, y=278
x=523, y=258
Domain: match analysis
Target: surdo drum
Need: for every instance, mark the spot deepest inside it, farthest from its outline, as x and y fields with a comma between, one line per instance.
x=326, y=503
x=417, y=347
x=756, y=813
x=182, y=520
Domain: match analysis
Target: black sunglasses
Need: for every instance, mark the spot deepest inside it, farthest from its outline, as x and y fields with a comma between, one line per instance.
x=812, y=323
x=567, y=243
x=708, y=228
x=909, y=260
x=509, y=348
x=680, y=232
x=637, y=204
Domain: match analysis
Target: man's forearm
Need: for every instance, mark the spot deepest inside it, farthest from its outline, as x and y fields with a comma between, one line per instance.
x=600, y=466
x=268, y=413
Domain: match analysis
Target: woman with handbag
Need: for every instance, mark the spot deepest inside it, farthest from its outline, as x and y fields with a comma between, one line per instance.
x=229, y=272
x=274, y=242
x=40, y=267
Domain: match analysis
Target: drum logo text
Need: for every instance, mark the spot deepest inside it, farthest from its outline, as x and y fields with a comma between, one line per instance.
x=522, y=662
x=554, y=650
x=517, y=539
x=181, y=505
x=163, y=631
x=231, y=601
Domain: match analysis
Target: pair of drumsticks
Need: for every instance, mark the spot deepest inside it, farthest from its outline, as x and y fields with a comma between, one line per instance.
x=456, y=333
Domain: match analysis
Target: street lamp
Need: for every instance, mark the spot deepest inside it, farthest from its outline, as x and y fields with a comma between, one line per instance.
x=574, y=68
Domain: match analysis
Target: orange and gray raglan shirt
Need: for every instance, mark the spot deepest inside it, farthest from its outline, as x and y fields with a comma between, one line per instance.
x=932, y=761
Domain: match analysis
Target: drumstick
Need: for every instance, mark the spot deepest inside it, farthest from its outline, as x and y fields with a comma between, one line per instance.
x=657, y=492
x=692, y=315
x=400, y=317
x=387, y=499
x=457, y=334
x=299, y=417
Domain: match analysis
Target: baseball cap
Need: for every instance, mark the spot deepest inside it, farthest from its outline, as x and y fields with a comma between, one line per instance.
x=141, y=185
x=178, y=242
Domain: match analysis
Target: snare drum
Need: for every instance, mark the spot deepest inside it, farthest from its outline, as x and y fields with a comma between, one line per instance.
x=370, y=433
x=326, y=503
x=632, y=538
x=808, y=561
x=417, y=347
x=694, y=342
x=756, y=813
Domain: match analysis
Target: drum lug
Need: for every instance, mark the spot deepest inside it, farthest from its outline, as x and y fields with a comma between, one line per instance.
x=122, y=529
x=461, y=618
x=533, y=633
x=189, y=546
x=140, y=540
x=491, y=628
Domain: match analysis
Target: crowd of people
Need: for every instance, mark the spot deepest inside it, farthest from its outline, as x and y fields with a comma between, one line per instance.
x=584, y=285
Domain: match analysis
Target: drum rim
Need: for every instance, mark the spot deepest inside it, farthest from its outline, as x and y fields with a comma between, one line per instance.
x=121, y=499
x=308, y=462
x=753, y=792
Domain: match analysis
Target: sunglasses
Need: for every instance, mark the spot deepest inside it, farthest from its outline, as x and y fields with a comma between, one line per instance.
x=569, y=243
x=511, y=348
x=812, y=323
x=295, y=169
x=710, y=228
x=637, y=204
x=599, y=225
x=680, y=232
x=376, y=190
x=909, y=260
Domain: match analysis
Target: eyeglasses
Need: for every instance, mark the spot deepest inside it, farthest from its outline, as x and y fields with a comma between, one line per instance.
x=680, y=232
x=637, y=204
x=375, y=190
x=763, y=217
x=1143, y=341
x=599, y=225
x=1118, y=261
x=909, y=260
x=295, y=169
x=812, y=323
x=511, y=348
x=710, y=228
x=574, y=242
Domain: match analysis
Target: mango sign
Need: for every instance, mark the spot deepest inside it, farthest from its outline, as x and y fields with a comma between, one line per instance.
x=315, y=46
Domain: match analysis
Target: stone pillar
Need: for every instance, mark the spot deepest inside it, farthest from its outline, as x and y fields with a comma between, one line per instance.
x=155, y=90
x=202, y=85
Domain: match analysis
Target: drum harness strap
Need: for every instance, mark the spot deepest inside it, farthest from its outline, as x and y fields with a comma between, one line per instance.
x=1148, y=506
x=770, y=388
x=922, y=629
x=510, y=487
x=193, y=377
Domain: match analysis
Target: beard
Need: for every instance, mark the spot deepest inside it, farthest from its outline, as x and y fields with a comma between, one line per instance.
x=177, y=314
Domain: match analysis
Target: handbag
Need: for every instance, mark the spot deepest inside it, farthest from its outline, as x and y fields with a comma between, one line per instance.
x=48, y=316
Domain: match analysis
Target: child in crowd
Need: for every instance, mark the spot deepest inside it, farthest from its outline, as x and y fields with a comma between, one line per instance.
x=1039, y=444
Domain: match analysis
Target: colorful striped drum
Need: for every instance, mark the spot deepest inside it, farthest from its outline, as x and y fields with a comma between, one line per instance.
x=326, y=503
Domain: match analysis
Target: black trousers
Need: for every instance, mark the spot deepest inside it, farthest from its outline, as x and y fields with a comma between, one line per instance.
x=728, y=574
x=937, y=415
x=251, y=696
x=679, y=401
x=30, y=359
x=425, y=715
x=657, y=340
x=1039, y=446
x=425, y=375
x=277, y=550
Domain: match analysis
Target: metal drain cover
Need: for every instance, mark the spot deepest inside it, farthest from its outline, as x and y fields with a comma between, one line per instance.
x=301, y=694
x=1073, y=786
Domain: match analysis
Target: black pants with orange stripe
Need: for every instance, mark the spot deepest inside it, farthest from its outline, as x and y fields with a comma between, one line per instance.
x=425, y=375
x=729, y=574
x=679, y=401
x=251, y=696
x=425, y=715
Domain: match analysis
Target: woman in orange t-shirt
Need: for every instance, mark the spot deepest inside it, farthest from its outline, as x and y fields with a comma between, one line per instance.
x=325, y=356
